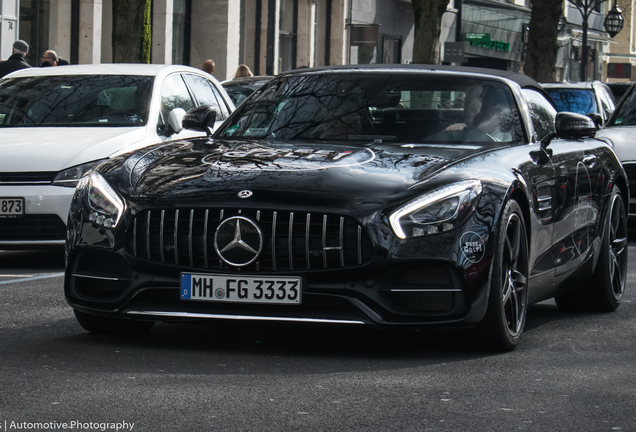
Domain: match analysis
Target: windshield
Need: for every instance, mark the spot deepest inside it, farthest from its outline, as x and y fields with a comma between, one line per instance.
x=379, y=107
x=75, y=101
x=626, y=114
x=574, y=100
x=239, y=92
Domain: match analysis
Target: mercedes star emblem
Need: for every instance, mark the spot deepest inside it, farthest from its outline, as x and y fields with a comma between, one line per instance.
x=238, y=241
x=245, y=193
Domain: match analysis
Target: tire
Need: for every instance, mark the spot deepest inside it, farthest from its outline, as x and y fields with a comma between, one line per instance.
x=607, y=284
x=503, y=325
x=610, y=276
x=107, y=325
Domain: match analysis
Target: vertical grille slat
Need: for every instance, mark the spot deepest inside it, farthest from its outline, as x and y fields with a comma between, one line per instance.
x=324, y=241
x=307, y=249
x=274, y=240
x=190, y=253
x=341, y=241
x=135, y=237
x=205, y=238
x=148, y=235
x=176, y=237
x=161, y=230
x=292, y=240
x=359, y=244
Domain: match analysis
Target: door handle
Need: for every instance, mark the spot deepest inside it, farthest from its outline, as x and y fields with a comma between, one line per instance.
x=590, y=160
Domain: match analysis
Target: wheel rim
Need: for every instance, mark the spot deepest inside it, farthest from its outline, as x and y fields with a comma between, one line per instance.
x=618, y=247
x=515, y=276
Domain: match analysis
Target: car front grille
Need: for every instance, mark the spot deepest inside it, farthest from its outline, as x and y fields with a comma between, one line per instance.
x=291, y=240
x=27, y=177
x=630, y=170
x=440, y=302
x=32, y=227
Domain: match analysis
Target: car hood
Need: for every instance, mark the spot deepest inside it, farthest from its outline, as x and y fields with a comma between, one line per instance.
x=54, y=149
x=622, y=139
x=190, y=172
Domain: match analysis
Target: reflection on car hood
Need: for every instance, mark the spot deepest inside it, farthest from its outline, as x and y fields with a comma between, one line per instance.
x=53, y=149
x=190, y=171
x=622, y=139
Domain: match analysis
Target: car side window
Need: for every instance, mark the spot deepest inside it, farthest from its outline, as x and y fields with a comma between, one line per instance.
x=541, y=111
x=174, y=94
x=206, y=94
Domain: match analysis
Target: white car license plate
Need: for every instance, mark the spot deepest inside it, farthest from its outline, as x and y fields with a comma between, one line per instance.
x=240, y=288
x=11, y=207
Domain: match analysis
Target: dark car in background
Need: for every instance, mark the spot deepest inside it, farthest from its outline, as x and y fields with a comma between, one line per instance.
x=398, y=196
x=240, y=88
x=619, y=88
x=585, y=98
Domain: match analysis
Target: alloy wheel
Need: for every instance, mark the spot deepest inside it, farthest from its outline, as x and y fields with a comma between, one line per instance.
x=515, y=277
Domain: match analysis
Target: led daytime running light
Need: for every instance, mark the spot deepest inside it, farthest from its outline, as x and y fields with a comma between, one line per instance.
x=429, y=198
x=99, y=190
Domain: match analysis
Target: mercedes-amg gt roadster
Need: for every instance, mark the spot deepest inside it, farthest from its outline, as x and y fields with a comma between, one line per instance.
x=402, y=196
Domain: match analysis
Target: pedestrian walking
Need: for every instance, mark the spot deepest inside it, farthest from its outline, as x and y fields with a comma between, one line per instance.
x=16, y=60
x=243, y=71
x=208, y=66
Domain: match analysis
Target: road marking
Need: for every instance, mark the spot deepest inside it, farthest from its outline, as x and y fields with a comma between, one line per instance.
x=15, y=275
x=48, y=276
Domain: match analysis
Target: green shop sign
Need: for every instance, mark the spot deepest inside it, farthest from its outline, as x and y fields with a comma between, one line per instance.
x=483, y=40
x=477, y=37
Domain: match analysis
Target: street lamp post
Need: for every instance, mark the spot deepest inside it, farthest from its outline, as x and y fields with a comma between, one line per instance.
x=613, y=25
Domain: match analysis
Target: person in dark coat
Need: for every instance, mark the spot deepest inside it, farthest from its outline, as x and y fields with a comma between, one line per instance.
x=16, y=61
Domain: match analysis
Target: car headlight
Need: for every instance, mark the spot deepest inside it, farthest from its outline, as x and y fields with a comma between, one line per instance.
x=437, y=211
x=105, y=205
x=70, y=177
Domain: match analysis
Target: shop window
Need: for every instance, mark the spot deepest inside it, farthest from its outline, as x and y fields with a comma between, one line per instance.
x=287, y=35
x=181, y=27
x=391, y=49
x=34, y=28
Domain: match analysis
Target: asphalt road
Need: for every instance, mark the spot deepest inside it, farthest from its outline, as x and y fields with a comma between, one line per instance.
x=572, y=371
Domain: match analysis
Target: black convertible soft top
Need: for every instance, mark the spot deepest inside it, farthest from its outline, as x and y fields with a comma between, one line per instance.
x=524, y=81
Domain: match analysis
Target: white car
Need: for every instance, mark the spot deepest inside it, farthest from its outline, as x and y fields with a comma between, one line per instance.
x=620, y=133
x=58, y=122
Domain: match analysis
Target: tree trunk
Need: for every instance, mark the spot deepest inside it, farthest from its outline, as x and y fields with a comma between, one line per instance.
x=131, y=31
x=542, y=40
x=428, y=26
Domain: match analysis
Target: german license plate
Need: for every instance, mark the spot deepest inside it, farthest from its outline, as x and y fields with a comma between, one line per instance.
x=11, y=207
x=240, y=288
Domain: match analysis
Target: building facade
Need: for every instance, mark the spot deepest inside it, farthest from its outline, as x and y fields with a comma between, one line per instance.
x=270, y=36
x=492, y=32
x=620, y=58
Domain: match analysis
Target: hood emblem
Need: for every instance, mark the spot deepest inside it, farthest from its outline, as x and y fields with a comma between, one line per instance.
x=245, y=193
x=238, y=241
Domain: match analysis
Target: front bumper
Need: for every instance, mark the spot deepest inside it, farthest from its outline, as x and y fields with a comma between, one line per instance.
x=45, y=214
x=384, y=293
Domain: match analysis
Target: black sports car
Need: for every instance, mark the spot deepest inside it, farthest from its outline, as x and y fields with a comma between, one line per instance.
x=404, y=196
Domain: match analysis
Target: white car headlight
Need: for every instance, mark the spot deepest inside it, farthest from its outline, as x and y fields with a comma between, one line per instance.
x=71, y=176
x=437, y=211
x=106, y=206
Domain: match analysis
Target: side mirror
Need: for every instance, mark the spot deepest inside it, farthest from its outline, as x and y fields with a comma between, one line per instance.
x=571, y=125
x=200, y=119
x=174, y=120
x=597, y=118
